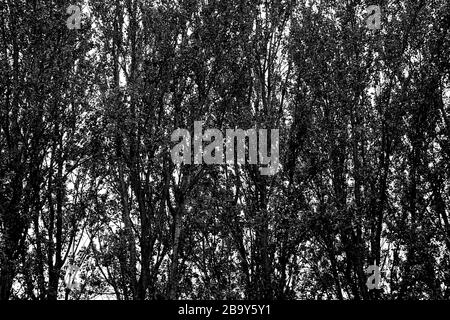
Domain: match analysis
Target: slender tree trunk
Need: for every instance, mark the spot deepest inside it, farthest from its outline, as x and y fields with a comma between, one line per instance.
x=173, y=271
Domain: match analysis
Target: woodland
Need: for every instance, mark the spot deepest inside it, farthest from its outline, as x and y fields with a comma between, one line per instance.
x=87, y=183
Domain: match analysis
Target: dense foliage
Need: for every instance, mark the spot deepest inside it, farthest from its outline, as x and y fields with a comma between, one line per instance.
x=86, y=177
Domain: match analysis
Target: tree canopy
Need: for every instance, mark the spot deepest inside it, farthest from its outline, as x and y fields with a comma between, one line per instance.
x=89, y=192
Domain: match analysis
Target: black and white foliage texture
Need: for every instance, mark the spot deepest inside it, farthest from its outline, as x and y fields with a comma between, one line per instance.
x=353, y=95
